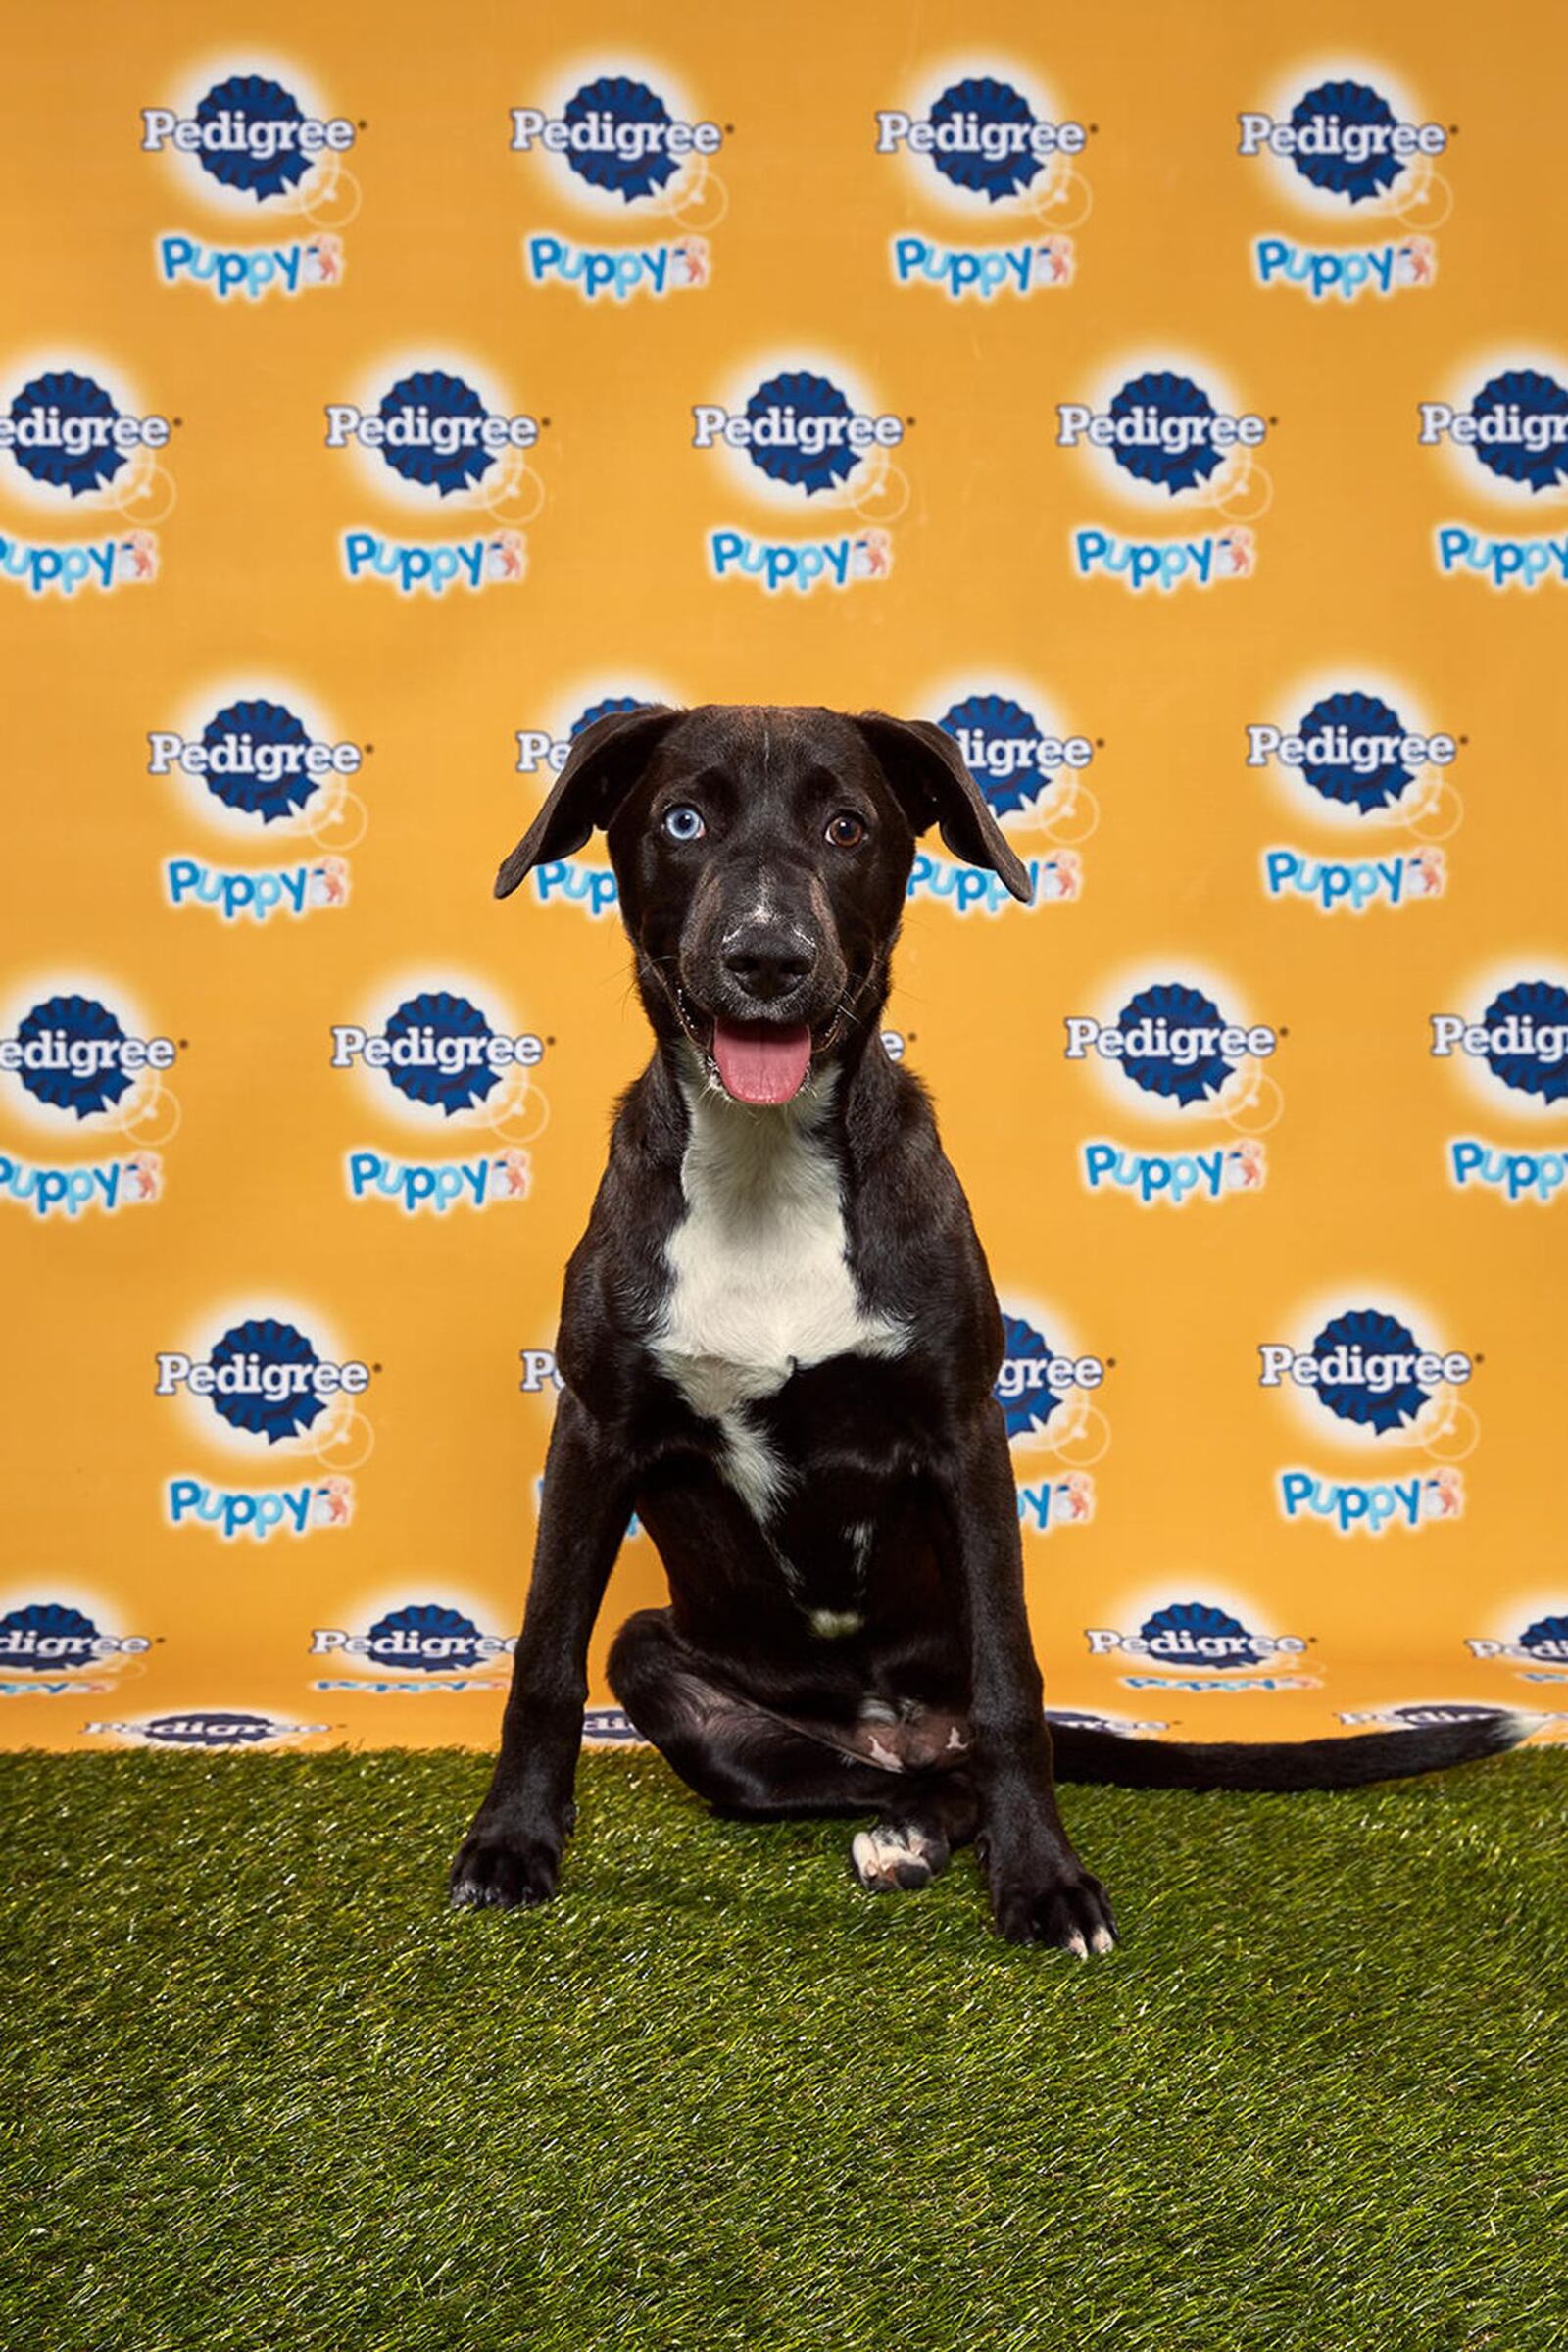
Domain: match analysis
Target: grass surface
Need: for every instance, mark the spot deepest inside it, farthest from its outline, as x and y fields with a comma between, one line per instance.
x=269, y=2094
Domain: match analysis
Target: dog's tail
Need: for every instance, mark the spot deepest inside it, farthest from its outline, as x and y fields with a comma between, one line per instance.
x=1083, y=1753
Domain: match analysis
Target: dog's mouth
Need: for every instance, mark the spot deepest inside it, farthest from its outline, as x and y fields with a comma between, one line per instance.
x=764, y=1062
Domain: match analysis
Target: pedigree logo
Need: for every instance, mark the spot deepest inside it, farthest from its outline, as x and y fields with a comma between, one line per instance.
x=435, y=1053
x=1352, y=753
x=802, y=431
x=621, y=141
x=1341, y=142
x=256, y=761
x=1497, y=434
x=982, y=141
x=249, y=138
x=1173, y=1045
x=1161, y=430
x=81, y=1064
x=435, y=430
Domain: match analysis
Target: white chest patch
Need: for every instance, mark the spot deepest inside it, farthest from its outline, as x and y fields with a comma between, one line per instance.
x=760, y=1285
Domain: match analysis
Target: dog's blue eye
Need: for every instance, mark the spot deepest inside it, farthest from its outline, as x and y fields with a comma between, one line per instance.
x=684, y=823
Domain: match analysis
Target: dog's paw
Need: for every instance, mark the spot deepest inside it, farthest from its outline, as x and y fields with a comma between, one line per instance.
x=1074, y=1915
x=897, y=1854
x=501, y=1864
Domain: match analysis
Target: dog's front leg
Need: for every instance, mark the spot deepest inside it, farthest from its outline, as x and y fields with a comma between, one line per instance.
x=1039, y=1890
x=512, y=1853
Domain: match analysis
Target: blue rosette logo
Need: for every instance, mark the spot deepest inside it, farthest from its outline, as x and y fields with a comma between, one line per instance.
x=428, y=1646
x=444, y=1083
x=1210, y=1638
x=988, y=141
x=1367, y=1375
x=81, y=1084
x=802, y=459
x=1540, y=1646
x=630, y=167
x=73, y=1060
x=258, y=1408
x=802, y=432
x=1509, y=442
x=987, y=146
x=1349, y=780
x=249, y=145
x=266, y=1384
x=63, y=425
x=621, y=151
x=268, y=789
x=1521, y=430
x=1194, y=1633
x=992, y=168
x=1182, y=1076
x=1527, y=1027
x=47, y=1637
x=440, y=462
x=602, y=709
x=1163, y=460
x=1355, y=168
x=73, y=440
x=258, y=164
x=46, y=1648
x=1381, y=1405
x=1547, y=1638
x=619, y=140
x=72, y=437
x=1340, y=145
x=426, y=1639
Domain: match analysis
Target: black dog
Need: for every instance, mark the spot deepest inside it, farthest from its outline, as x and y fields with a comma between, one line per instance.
x=779, y=1345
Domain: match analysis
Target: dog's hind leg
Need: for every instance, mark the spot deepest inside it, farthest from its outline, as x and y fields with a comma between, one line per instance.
x=743, y=1757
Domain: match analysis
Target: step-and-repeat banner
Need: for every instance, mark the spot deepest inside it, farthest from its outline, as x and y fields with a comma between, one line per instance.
x=1173, y=406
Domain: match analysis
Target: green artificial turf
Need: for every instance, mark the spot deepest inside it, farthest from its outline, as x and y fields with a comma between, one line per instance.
x=268, y=2093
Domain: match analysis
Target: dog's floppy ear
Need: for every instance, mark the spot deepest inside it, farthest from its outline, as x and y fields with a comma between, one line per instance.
x=602, y=767
x=926, y=769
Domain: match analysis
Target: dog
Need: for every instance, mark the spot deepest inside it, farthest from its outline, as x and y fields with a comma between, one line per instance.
x=778, y=1348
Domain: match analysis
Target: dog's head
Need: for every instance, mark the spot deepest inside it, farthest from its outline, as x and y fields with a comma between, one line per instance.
x=762, y=856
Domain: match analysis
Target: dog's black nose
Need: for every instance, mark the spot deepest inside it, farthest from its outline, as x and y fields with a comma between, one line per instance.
x=768, y=961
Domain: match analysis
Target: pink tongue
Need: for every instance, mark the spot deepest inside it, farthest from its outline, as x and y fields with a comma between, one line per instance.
x=760, y=1062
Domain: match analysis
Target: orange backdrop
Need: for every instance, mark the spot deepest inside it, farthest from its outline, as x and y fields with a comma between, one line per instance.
x=382, y=396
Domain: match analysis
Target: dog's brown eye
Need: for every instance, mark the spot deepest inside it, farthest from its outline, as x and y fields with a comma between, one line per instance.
x=844, y=831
